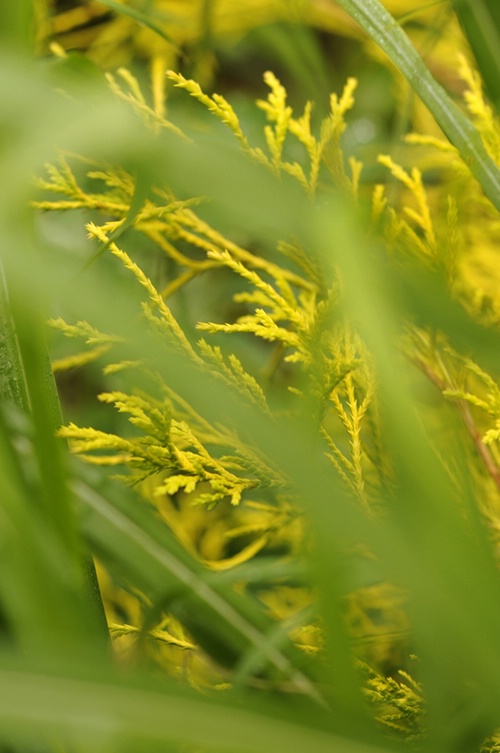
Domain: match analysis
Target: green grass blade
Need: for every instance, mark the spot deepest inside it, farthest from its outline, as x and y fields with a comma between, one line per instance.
x=480, y=20
x=378, y=23
x=296, y=48
x=130, y=538
x=40, y=589
x=141, y=18
x=12, y=384
x=39, y=510
x=16, y=25
x=443, y=559
x=46, y=416
x=114, y=714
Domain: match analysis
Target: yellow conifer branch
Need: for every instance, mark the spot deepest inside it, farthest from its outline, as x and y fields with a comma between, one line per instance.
x=157, y=301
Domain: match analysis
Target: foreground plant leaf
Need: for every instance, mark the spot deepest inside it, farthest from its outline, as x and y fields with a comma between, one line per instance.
x=145, y=19
x=91, y=710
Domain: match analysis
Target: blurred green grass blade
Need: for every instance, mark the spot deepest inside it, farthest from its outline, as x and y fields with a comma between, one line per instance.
x=145, y=19
x=252, y=661
x=29, y=370
x=126, y=533
x=40, y=584
x=56, y=498
x=74, y=70
x=265, y=570
x=207, y=8
x=441, y=557
x=12, y=384
x=16, y=25
x=39, y=486
x=424, y=296
x=206, y=39
x=111, y=713
x=46, y=417
x=296, y=48
x=46, y=496
x=378, y=23
x=480, y=20
x=142, y=188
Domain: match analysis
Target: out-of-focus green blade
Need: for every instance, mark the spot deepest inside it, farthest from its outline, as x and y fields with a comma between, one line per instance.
x=46, y=419
x=296, y=47
x=51, y=496
x=129, y=538
x=16, y=25
x=145, y=19
x=41, y=584
x=480, y=20
x=12, y=384
x=443, y=558
x=43, y=550
x=112, y=713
